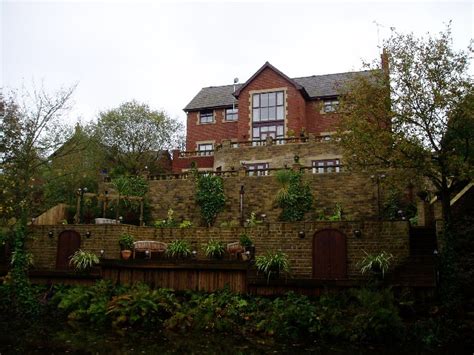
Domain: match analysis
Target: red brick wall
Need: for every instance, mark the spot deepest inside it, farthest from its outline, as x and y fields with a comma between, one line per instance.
x=216, y=131
x=268, y=79
x=317, y=122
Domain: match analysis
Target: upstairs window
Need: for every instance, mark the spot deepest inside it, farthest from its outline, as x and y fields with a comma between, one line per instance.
x=206, y=116
x=205, y=149
x=268, y=106
x=231, y=114
x=326, y=166
x=331, y=105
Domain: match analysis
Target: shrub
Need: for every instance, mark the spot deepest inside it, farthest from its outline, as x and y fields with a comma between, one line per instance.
x=273, y=263
x=126, y=241
x=294, y=196
x=209, y=196
x=185, y=224
x=245, y=240
x=169, y=222
x=178, y=249
x=214, y=249
x=83, y=260
x=376, y=263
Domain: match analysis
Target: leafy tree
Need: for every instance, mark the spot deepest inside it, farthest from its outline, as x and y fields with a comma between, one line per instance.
x=77, y=163
x=136, y=136
x=417, y=118
x=31, y=131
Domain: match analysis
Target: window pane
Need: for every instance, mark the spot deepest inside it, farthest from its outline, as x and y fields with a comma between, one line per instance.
x=279, y=113
x=256, y=115
x=264, y=114
x=272, y=113
x=272, y=99
x=279, y=98
x=256, y=133
x=256, y=100
x=264, y=100
x=264, y=129
x=280, y=131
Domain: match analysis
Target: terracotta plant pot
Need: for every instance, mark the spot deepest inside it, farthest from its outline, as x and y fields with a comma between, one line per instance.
x=126, y=254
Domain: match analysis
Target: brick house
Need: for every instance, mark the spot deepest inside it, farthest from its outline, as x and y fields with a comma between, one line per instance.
x=270, y=108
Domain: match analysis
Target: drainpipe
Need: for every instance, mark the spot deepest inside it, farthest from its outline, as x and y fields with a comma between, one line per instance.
x=241, y=207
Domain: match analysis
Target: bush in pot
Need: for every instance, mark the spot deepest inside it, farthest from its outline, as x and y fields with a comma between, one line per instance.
x=214, y=249
x=178, y=249
x=126, y=245
x=83, y=260
x=273, y=263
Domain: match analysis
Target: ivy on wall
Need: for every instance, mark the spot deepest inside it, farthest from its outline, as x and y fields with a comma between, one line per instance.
x=210, y=196
x=294, y=196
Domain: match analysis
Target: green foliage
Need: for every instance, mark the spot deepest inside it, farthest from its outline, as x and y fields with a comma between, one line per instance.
x=245, y=240
x=214, y=249
x=126, y=241
x=273, y=263
x=185, y=224
x=210, y=196
x=83, y=260
x=294, y=196
x=253, y=221
x=375, y=263
x=169, y=222
x=395, y=206
x=376, y=318
x=229, y=224
x=178, y=249
x=130, y=185
x=141, y=306
x=137, y=136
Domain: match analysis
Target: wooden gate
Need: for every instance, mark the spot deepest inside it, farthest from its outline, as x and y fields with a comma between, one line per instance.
x=329, y=255
x=68, y=243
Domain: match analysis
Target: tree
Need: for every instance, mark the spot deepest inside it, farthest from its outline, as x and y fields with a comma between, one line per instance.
x=137, y=136
x=414, y=118
x=31, y=131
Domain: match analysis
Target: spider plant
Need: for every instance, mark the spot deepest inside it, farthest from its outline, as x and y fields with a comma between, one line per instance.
x=83, y=260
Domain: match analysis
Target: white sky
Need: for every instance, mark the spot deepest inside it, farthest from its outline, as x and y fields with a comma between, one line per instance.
x=164, y=53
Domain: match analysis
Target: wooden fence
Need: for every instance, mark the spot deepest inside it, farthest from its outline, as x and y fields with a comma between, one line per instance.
x=194, y=275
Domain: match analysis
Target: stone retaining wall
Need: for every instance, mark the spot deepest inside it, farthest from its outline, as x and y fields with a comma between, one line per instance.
x=375, y=236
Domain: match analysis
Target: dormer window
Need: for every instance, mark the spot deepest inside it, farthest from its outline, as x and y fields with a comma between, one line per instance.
x=331, y=105
x=231, y=114
x=206, y=116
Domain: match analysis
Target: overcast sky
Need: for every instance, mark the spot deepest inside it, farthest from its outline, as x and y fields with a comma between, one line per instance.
x=164, y=53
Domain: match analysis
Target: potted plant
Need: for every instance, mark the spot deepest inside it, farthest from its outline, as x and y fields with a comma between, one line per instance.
x=83, y=260
x=377, y=264
x=273, y=263
x=126, y=245
x=214, y=249
x=179, y=249
x=247, y=243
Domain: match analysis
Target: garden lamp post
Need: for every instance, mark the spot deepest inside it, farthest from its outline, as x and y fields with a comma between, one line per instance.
x=79, y=193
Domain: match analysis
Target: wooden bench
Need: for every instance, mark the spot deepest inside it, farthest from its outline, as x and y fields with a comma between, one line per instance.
x=152, y=246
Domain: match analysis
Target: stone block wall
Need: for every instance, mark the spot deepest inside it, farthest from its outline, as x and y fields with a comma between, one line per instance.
x=375, y=237
x=277, y=155
x=356, y=193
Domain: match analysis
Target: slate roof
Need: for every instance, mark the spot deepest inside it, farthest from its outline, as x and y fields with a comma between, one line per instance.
x=316, y=86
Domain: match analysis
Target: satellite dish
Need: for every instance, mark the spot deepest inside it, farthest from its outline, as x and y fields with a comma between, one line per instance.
x=236, y=80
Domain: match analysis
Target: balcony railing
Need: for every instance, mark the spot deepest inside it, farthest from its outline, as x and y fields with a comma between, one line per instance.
x=276, y=141
x=196, y=153
x=254, y=172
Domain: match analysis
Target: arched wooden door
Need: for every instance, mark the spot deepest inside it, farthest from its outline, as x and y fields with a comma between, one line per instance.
x=68, y=243
x=329, y=255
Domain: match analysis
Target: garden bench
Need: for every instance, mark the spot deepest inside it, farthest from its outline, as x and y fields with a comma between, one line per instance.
x=152, y=246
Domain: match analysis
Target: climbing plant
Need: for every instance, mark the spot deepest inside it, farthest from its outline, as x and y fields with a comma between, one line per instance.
x=294, y=196
x=209, y=196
